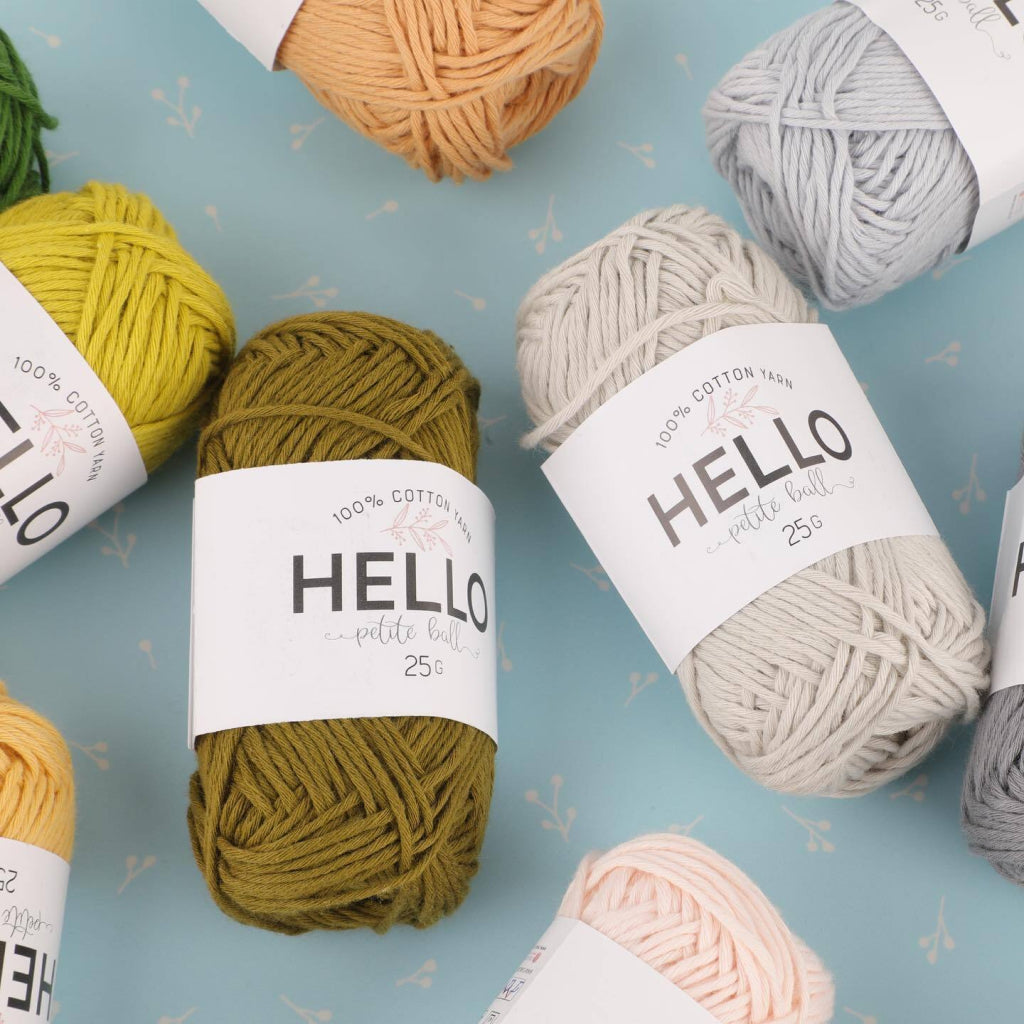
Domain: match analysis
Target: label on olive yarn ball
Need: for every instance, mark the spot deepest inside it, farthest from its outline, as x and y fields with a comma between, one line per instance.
x=33, y=887
x=575, y=973
x=971, y=55
x=355, y=589
x=259, y=25
x=66, y=452
x=1006, y=623
x=726, y=469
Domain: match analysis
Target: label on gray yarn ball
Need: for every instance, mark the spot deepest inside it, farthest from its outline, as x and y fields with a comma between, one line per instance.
x=33, y=888
x=575, y=973
x=356, y=589
x=259, y=25
x=971, y=55
x=726, y=469
x=67, y=453
x=1006, y=623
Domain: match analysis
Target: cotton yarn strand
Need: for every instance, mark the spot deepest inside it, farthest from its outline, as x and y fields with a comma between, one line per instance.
x=37, y=783
x=992, y=802
x=846, y=675
x=356, y=822
x=24, y=170
x=704, y=925
x=846, y=167
x=450, y=85
x=153, y=325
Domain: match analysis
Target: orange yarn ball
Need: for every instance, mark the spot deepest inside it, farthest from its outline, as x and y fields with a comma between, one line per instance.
x=450, y=85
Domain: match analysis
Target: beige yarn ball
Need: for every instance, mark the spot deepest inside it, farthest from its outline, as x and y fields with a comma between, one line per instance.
x=846, y=675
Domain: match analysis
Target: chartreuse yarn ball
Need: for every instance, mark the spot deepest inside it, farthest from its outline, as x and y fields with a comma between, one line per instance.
x=347, y=823
x=153, y=325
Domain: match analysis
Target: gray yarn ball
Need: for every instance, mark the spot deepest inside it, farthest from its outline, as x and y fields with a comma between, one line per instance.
x=849, y=673
x=993, y=795
x=844, y=163
x=992, y=802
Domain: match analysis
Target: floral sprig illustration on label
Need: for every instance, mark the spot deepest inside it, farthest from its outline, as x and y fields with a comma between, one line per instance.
x=57, y=440
x=423, y=533
x=735, y=413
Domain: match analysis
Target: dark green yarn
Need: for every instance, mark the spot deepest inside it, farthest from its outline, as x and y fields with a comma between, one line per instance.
x=24, y=171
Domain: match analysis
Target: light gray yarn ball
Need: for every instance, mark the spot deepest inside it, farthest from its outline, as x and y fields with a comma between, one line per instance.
x=844, y=163
x=849, y=673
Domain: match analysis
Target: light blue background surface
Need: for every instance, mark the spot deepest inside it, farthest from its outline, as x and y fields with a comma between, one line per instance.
x=277, y=199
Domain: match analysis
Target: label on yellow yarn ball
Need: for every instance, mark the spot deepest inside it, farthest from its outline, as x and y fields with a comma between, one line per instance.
x=1006, y=623
x=33, y=887
x=575, y=973
x=725, y=470
x=971, y=55
x=259, y=25
x=66, y=452
x=356, y=589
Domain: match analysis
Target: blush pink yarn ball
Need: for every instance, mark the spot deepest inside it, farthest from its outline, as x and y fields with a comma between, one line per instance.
x=699, y=921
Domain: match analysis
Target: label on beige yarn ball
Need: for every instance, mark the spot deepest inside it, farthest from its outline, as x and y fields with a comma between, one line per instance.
x=1006, y=623
x=66, y=452
x=575, y=973
x=971, y=55
x=726, y=469
x=356, y=589
x=33, y=887
x=259, y=25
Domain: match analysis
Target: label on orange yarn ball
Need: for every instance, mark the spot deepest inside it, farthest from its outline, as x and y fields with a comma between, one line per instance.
x=66, y=452
x=357, y=589
x=725, y=470
x=971, y=55
x=259, y=25
x=33, y=887
x=575, y=973
x=1006, y=623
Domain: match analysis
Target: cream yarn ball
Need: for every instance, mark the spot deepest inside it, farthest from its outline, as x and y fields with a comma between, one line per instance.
x=846, y=675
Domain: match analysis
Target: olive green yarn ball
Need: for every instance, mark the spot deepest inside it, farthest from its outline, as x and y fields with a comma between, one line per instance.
x=347, y=823
x=24, y=171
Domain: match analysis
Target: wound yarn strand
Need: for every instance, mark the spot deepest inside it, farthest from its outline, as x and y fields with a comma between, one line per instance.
x=992, y=799
x=37, y=783
x=702, y=923
x=992, y=803
x=846, y=675
x=154, y=326
x=24, y=170
x=349, y=823
x=847, y=169
x=449, y=86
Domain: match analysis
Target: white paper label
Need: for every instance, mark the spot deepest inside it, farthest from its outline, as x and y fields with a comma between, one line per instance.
x=66, y=452
x=971, y=55
x=33, y=887
x=342, y=590
x=577, y=974
x=259, y=25
x=725, y=470
x=1007, y=619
